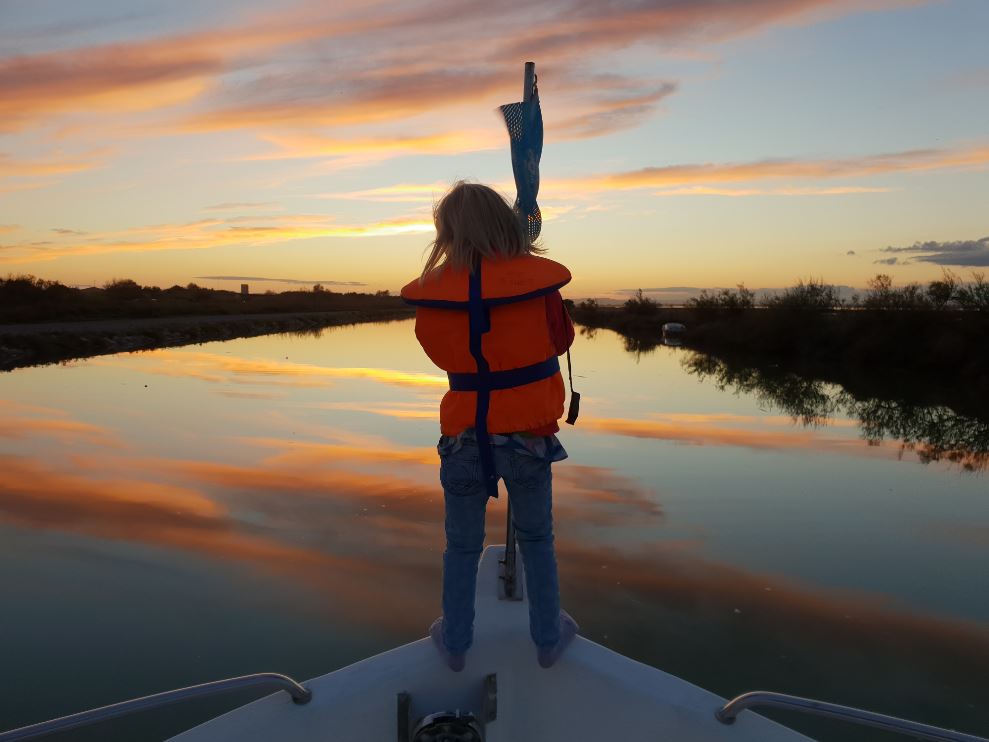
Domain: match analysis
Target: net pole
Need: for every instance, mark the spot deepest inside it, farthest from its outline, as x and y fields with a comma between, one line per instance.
x=510, y=562
x=529, y=81
x=511, y=570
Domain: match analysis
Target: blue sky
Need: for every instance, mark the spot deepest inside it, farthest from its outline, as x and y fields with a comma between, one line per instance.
x=696, y=143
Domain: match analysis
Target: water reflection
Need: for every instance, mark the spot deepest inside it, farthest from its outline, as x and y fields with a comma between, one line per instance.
x=633, y=344
x=719, y=430
x=305, y=513
x=219, y=368
x=19, y=421
x=342, y=518
x=933, y=434
x=731, y=630
x=300, y=474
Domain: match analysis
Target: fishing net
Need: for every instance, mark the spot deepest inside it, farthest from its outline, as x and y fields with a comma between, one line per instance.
x=525, y=129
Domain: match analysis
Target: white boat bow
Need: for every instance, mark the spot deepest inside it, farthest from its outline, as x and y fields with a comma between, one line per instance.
x=590, y=693
x=408, y=694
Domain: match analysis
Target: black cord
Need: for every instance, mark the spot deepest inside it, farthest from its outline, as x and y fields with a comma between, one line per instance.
x=574, y=409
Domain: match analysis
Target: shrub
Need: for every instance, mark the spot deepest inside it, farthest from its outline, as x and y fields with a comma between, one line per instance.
x=880, y=292
x=725, y=300
x=882, y=295
x=641, y=305
x=199, y=293
x=22, y=289
x=815, y=295
x=940, y=293
x=122, y=289
x=975, y=296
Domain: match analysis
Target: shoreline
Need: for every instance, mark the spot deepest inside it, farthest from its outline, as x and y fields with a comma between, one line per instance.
x=43, y=343
x=922, y=357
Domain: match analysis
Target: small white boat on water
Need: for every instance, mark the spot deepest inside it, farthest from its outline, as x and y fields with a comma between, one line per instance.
x=503, y=695
x=673, y=333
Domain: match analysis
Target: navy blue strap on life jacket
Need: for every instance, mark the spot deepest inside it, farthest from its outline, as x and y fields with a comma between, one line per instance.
x=497, y=301
x=480, y=323
x=470, y=382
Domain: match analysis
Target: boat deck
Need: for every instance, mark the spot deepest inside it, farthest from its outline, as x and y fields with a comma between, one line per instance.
x=591, y=693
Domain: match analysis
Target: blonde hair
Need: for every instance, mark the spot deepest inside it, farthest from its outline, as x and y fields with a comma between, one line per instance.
x=474, y=221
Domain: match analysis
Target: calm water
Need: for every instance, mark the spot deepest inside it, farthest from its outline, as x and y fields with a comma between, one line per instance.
x=272, y=503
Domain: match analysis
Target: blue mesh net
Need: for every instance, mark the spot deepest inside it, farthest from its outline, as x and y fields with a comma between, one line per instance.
x=525, y=128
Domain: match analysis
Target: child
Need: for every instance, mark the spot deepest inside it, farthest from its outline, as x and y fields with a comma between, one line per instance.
x=489, y=313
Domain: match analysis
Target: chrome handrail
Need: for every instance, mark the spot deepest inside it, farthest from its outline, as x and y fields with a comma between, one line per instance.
x=263, y=680
x=727, y=713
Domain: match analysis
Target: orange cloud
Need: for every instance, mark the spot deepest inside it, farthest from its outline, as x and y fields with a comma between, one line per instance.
x=154, y=73
x=304, y=454
x=125, y=77
x=408, y=411
x=35, y=493
x=21, y=421
x=304, y=492
x=704, y=180
x=139, y=511
x=742, y=192
x=601, y=495
x=425, y=195
x=673, y=23
x=32, y=174
x=712, y=435
x=208, y=233
x=590, y=494
x=396, y=492
x=621, y=106
x=732, y=418
x=418, y=193
x=12, y=168
x=11, y=406
x=374, y=96
x=348, y=580
x=365, y=150
x=323, y=479
x=406, y=75
x=64, y=430
x=674, y=176
x=218, y=367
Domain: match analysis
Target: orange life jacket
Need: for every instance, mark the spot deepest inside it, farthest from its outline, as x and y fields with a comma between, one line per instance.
x=488, y=331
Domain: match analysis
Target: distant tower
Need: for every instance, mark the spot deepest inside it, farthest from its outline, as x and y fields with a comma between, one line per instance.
x=244, y=293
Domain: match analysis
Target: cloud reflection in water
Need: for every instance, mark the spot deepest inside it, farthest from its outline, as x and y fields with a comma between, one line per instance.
x=354, y=524
x=219, y=368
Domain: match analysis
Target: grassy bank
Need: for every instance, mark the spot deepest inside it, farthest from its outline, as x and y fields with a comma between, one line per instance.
x=927, y=356
x=42, y=343
x=30, y=299
x=45, y=321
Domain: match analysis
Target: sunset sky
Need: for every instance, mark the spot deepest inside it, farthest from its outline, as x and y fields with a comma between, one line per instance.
x=688, y=142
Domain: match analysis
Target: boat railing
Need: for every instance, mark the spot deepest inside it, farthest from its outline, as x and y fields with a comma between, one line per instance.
x=727, y=713
x=269, y=681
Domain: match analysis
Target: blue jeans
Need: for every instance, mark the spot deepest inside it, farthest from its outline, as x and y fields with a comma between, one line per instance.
x=529, y=481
